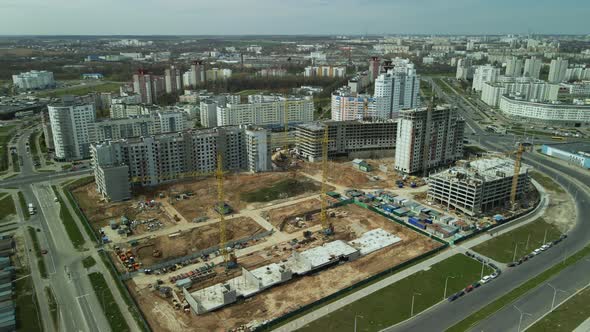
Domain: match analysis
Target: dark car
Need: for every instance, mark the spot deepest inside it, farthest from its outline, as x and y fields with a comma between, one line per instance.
x=493, y=266
x=563, y=236
x=511, y=264
x=476, y=284
x=453, y=297
x=461, y=293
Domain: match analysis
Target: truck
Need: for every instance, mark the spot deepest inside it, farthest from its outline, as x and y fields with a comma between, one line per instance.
x=31, y=209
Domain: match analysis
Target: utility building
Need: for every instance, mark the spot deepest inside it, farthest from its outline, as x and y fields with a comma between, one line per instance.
x=476, y=187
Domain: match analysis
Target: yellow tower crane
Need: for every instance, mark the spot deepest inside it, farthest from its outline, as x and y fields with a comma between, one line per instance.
x=221, y=209
x=517, y=164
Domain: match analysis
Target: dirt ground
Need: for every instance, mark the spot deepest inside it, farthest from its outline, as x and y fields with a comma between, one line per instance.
x=195, y=239
x=205, y=192
x=559, y=211
x=287, y=297
x=277, y=216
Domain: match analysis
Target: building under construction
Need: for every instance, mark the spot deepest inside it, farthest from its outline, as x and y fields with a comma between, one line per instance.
x=476, y=187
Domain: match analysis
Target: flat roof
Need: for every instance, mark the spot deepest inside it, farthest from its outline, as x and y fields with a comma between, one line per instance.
x=324, y=254
x=575, y=147
x=374, y=240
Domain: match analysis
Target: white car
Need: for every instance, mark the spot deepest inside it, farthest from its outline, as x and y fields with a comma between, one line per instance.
x=485, y=280
x=536, y=252
x=544, y=247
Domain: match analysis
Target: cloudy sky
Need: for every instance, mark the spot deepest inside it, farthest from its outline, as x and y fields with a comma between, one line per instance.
x=218, y=17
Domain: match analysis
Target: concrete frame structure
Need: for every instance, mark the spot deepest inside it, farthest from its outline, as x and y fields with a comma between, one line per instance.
x=478, y=186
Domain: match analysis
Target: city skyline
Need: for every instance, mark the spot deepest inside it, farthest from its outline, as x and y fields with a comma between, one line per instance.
x=321, y=17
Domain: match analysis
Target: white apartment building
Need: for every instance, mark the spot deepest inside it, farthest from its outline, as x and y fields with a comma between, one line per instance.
x=71, y=126
x=428, y=138
x=395, y=90
x=34, y=80
x=514, y=67
x=568, y=115
x=266, y=113
x=557, y=70
x=577, y=74
x=483, y=74
x=173, y=79
x=532, y=67
x=346, y=105
x=217, y=74
x=527, y=87
x=577, y=88
x=324, y=71
x=464, y=69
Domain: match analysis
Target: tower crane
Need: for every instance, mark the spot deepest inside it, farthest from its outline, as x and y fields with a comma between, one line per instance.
x=221, y=209
x=517, y=164
x=323, y=195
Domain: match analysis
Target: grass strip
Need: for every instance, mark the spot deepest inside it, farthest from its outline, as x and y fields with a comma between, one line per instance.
x=28, y=316
x=37, y=249
x=547, y=182
x=23, y=205
x=7, y=207
x=69, y=223
x=88, y=262
x=15, y=163
x=568, y=315
x=498, y=304
x=107, y=301
x=53, y=308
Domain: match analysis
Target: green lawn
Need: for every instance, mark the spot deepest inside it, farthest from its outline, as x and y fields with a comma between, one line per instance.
x=7, y=207
x=53, y=307
x=491, y=308
x=37, y=250
x=282, y=189
x=392, y=304
x=567, y=316
x=33, y=143
x=6, y=133
x=27, y=309
x=88, y=262
x=107, y=301
x=69, y=223
x=23, y=205
x=443, y=86
x=547, y=182
x=83, y=90
x=15, y=163
x=501, y=248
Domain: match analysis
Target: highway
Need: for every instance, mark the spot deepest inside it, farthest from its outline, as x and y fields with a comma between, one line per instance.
x=447, y=314
x=79, y=306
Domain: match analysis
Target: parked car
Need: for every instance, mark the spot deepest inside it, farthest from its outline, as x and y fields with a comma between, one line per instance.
x=453, y=297
x=485, y=279
x=468, y=289
x=44, y=251
x=476, y=284
x=536, y=252
x=511, y=264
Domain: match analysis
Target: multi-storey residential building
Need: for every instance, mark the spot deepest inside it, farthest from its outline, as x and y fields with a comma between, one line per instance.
x=324, y=71
x=266, y=113
x=576, y=114
x=513, y=67
x=476, y=187
x=47, y=133
x=71, y=123
x=483, y=74
x=33, y=80
x=526, y=87
x=218, y=74
x=428, y=138
x=396, y=89
x=173, y=80
x=557, y=70
x=464, y=69
x=374, y=65
x=147, y=86
x=347, y=105
x=532, y=67
x=355, y=139
x=577, y=73
x=135, y=126
x=149, y=161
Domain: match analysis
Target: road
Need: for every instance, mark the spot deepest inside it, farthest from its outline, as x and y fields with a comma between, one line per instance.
x=446, y=315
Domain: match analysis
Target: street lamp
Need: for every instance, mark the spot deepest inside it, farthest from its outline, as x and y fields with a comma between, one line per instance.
x=522, y=313
x=555, y=290
x=446, y=281
x=412, y=309
x=355, y=317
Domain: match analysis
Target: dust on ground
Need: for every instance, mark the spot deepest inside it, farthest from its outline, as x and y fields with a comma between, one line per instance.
x=559, y=210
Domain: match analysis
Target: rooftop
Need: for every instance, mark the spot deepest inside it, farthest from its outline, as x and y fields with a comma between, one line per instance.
x=576, y=147
x=487, y=169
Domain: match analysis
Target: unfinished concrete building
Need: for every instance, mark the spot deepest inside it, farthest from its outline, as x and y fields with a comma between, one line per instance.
x=299, y=264
x=476, y=187
x=354, y=139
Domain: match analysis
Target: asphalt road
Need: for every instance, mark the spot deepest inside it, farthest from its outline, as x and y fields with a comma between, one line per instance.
x=447, y=314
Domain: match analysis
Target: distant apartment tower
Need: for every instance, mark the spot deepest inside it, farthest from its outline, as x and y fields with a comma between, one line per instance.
x=173, y=79
x=464, y=69
x=428, y=138
x=266, y=113
x=198, y=74
x=483, y=74
x=47, y=133
x=532, y=67
x=557, y=70
x=346, y=105
x=71, y=127
x=34, y=80
x=374, y=64
x=324, y=71
x=147, y=86
x=513, y=67
x=396, y=89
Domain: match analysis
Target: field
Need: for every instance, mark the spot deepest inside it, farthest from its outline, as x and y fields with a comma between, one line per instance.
x=282, y=189
x=195, y=239
x=524, y=239
x=281, y=299
x=107, y=301
x=7, y=207
x=283, y=218
x=392, y=304
x=81, y=90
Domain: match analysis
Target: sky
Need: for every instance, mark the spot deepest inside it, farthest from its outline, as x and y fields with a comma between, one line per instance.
x=243, y=17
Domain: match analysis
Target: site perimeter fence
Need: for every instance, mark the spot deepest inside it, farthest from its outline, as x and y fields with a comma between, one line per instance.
x=267, y=326
x=197, y=254
x=79, y=212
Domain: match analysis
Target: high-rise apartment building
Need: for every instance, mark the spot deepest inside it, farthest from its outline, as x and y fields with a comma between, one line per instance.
x=483, y=74
x=148, y=87
x=557, y=70
x=173, y=80
x=71, y=126
x=513, y=67
x=266, y=113
x=346, y=105
x=374, y=64
x=197, y=73
x=428, y=138
x=532, y=67
x=395, y=90
x=34, y=80
x=464, y=69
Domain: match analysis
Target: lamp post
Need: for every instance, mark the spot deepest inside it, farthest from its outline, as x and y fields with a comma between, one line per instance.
x=514, y=256
x=446, y=281
x=355, y=317
x=412, y=309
